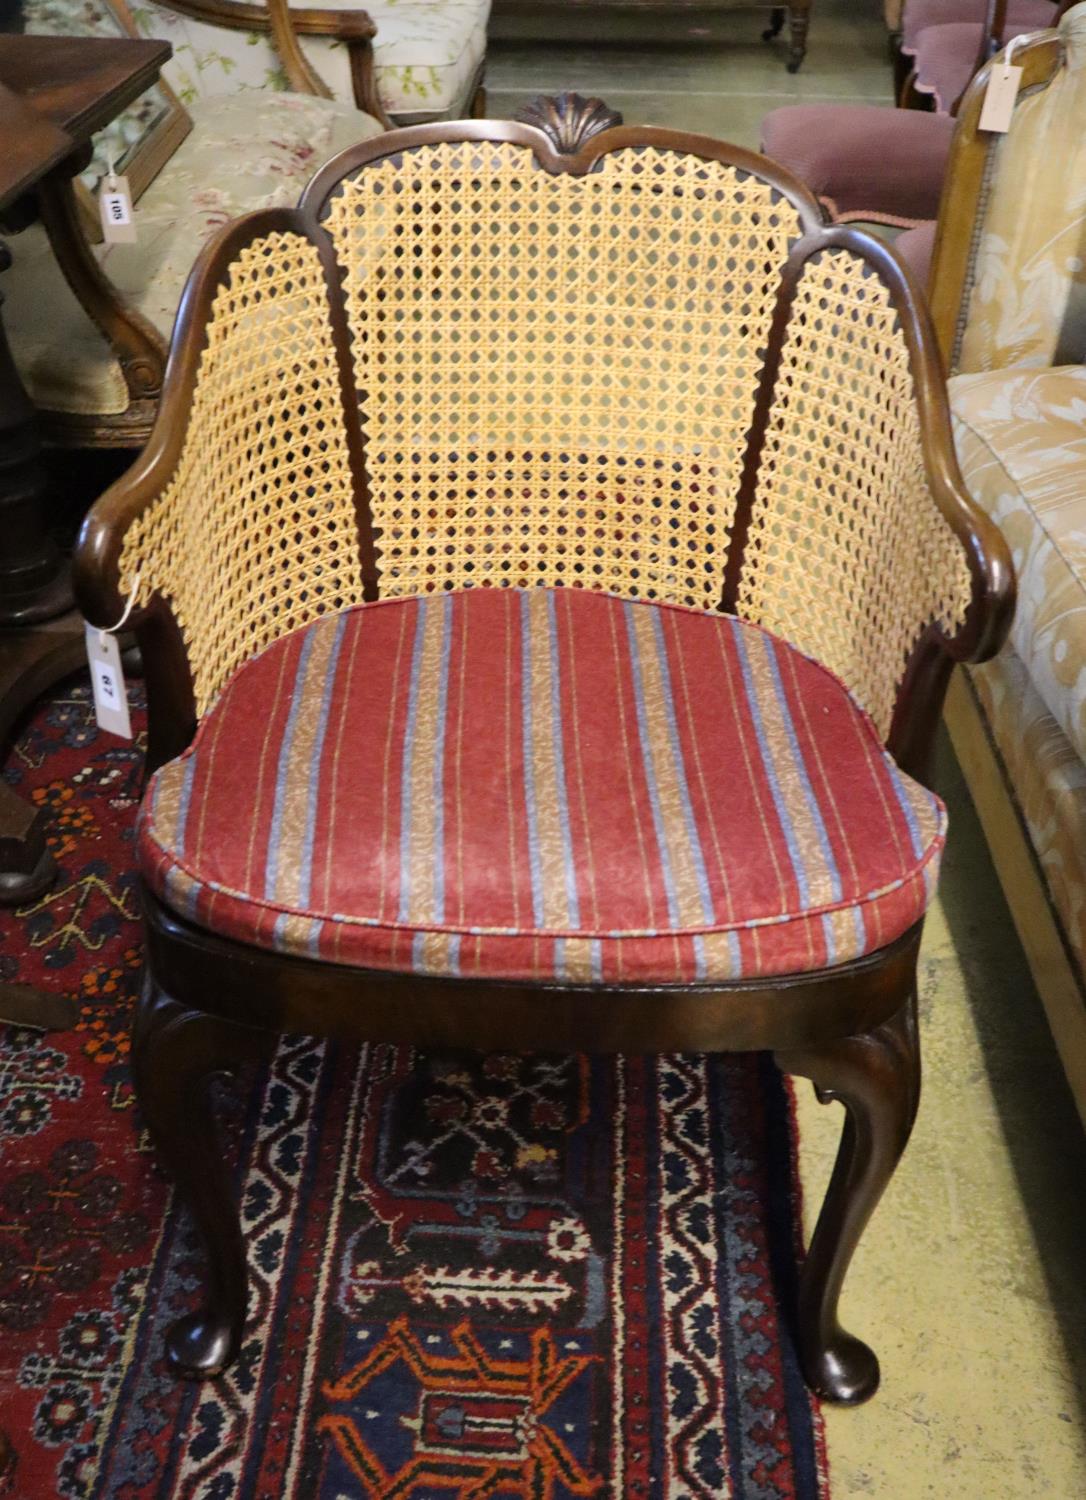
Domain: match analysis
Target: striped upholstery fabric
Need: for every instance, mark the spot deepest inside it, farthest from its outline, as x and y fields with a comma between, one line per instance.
x=542, y=784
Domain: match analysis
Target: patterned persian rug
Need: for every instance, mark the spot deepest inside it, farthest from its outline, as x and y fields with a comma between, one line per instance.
x=535, y=1277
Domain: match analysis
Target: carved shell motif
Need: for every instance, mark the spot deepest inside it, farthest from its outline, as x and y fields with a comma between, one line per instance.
x=568, y=120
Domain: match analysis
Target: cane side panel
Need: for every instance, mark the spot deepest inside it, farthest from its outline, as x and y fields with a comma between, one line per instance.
x=557, y=372
x=256, y=533
x=848, y=556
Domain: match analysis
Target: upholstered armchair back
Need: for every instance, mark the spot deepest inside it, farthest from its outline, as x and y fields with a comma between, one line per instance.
x=1024, y=299
x=643, y=366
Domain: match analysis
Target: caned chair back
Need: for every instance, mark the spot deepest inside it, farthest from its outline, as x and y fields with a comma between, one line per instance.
x=524, y=355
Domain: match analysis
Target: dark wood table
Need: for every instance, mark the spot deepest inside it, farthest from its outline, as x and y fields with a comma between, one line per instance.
x=554, y=17
x=55, y=93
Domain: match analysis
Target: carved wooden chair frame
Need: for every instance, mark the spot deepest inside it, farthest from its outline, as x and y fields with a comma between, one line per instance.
x=209, y=1003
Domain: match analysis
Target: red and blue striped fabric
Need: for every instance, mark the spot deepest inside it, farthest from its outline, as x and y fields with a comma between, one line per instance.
x=542, y=784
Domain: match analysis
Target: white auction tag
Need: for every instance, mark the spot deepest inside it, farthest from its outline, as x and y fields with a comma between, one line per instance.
x=107, y=680
x=999, y=99
x=115, y=207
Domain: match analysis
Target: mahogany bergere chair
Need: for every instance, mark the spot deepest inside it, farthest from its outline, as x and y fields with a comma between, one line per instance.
x=548, y=564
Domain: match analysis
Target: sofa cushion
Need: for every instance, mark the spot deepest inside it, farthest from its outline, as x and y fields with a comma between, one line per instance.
x=246, y=151
x=1021, y=440
x=864, y=161
x=542, y=784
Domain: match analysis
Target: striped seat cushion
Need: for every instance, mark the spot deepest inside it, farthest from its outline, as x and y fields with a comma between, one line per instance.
x=542, y=784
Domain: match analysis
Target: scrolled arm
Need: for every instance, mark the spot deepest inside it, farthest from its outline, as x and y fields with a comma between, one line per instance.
x=987, y=617
x=984, y=622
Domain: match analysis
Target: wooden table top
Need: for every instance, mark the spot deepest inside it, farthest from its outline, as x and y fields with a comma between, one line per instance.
x=55, y=92
x=32, y=145
x=79, y=83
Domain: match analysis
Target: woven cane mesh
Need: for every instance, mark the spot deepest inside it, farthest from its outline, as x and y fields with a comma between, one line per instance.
x=848, y=556
x=256, y=534
x=557, y=372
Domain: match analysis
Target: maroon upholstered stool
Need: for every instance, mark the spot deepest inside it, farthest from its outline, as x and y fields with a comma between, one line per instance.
x=882, y=166
x=915, y=246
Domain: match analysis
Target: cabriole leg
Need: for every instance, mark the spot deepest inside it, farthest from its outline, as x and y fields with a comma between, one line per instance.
x=876, y=1077
x=175, y=1054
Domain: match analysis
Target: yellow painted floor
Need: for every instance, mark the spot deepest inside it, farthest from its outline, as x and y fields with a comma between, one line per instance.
x=970, y=1280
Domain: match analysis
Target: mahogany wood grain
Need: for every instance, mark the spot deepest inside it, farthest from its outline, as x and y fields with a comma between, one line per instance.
x=33, y=144
x=79, y=84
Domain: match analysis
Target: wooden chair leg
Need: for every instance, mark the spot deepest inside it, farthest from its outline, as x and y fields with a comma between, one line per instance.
x=175, y=1054
x=776, y=23
x=799, y=21
x=876, y=1077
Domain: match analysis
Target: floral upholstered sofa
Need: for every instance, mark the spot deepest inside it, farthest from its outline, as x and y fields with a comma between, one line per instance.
x=1008, y=290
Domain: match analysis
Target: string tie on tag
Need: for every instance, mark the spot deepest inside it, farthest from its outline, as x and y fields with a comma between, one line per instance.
x=104, y=630
x=111, y=174
x=1008, y=54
